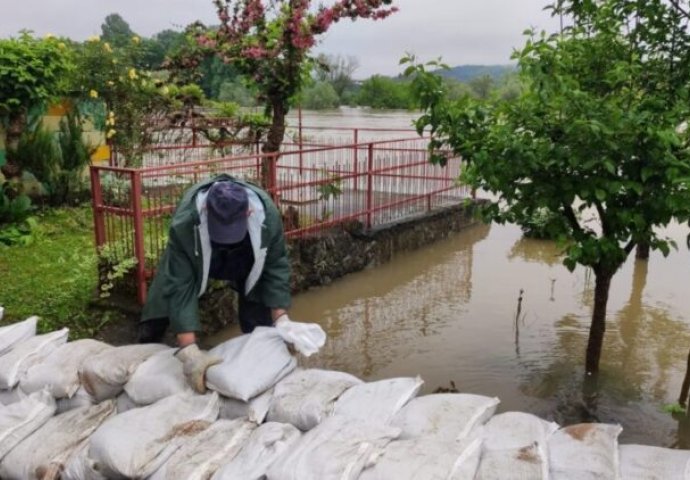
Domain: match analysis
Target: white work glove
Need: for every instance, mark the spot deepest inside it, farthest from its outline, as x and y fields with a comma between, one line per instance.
x=307, y=338
x=195, y=362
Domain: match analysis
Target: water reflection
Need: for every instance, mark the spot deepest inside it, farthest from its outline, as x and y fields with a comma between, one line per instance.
x=379, y=316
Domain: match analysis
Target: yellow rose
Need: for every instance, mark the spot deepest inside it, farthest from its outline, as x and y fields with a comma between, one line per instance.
x=132, y=74
x=111, y=133
x=136, y=39
x=94, y=38
x=165, y=90
x=93, y=94
x=48, y=36
x=107, y=47
x=111, y=83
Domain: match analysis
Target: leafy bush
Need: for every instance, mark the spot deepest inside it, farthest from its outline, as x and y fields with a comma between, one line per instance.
x=38, y=152
x=543, y=224
x=16, y=224
x=69, y=184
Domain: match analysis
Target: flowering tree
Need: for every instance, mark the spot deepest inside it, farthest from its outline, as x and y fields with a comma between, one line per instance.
x=269, y=43
x=137, y=102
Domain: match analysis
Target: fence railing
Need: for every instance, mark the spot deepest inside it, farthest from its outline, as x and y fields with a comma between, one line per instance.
x=315, y=189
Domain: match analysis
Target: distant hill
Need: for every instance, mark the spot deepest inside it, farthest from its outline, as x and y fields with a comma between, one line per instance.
x=465, y=73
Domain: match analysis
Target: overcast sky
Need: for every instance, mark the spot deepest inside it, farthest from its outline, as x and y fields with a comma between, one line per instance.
x=460, y=31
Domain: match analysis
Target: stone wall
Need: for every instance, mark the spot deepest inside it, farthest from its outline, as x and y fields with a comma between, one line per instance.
x=321, y=259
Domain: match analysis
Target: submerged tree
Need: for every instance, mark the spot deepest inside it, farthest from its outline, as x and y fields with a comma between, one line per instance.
x=597, y=137
x=269, y=43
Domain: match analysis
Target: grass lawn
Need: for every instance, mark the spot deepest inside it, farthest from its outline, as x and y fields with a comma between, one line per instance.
x=54, y=277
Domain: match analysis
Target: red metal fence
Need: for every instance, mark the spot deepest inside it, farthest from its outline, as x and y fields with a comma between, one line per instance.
x=315, y=188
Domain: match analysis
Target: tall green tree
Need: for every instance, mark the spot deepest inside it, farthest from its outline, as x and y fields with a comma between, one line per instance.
x=596, y=137
x=116, y=31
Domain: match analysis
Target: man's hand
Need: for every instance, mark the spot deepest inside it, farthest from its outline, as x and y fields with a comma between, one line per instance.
x=195, y=362
x=307, y=338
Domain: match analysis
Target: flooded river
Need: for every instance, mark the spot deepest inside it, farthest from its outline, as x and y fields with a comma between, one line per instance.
x=447, y=312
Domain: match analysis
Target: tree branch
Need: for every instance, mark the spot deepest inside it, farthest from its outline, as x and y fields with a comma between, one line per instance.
x=572, y=218
x=675, y=4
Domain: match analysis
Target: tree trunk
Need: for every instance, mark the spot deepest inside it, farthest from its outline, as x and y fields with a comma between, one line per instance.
x=274, y=140
x=682, y=400
x=642, y=251
x=598, y=327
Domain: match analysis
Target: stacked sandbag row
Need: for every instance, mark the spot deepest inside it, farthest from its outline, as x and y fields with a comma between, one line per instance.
x=127, y=412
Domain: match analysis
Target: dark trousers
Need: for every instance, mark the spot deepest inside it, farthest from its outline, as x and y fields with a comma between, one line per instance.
x=251, y=315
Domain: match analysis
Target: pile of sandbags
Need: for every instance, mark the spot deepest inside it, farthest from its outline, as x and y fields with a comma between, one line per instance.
x=85, y=410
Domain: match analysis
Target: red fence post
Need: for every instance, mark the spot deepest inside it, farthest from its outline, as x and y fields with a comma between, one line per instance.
x=370, y=183
x=356, y=157
x=97, y=204
x=138, y=220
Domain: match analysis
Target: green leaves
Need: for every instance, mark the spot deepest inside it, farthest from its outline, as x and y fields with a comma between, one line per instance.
x=597, y=129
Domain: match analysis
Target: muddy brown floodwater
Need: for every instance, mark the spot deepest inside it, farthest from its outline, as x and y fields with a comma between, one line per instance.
x=447, y=312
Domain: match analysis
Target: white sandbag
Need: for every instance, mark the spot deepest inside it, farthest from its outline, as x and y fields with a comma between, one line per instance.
x=125, y=403
x=587, y=451
x=339, y=448
x=20, y=419
x=254, y=410
x=427, y=459
x=8, y=397
x=26, y=354
x=444, y=416
x=514, y=430
x=11, y=335
x=81, y=467
x=205, y=453
x=251, y=364
x=639, y=462
x=306, y=397
x=60, y=370
x=158, y=377
x=525, y=463
x=261, y=449
x=136, y=443
x=81, y=398
x=105, y=375
x=377, y=401
x=44, y=454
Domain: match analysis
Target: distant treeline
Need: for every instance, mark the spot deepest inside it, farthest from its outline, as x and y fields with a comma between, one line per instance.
x=332, y=83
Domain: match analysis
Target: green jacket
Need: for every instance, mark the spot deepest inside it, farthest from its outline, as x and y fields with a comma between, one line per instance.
x=182, y=274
